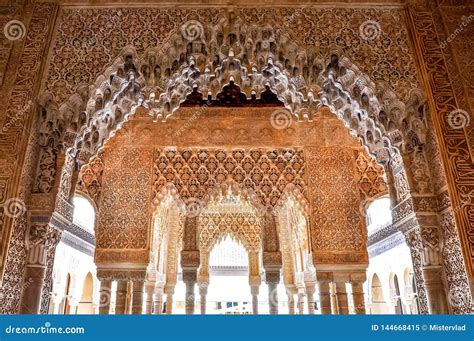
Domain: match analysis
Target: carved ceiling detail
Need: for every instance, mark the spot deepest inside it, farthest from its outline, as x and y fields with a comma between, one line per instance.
x=196, y=172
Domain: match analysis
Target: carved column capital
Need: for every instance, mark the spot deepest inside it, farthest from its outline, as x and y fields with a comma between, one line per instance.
x=40, y=238
x=272, y=276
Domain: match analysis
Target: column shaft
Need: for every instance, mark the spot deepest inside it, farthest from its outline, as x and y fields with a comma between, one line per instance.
x=291, y=304
x=325, y=296
x=203, y=294
x=341, y=296
x=105, y=295
x=310, y=297
x=254, y=289
x=169, y=304
x=189, y=305
x=158, y=302
x=32, y=288
x=149, y=289
x=121, y=297
x=189, y=279
x=301, y=296
x=435, y=290
x=137, y=298
x=273, y=298
x=358, y=297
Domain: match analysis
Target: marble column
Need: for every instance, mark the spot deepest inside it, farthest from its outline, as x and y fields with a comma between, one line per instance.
x=202, y=295
x=137, y=297
x=254, y=289
x=31, y=297
x=334, y=307
x=189, y=279
x=128, y=301
x=169, y=291
x=203, y=279
x=105, y=295
x=291, y=304
x=357, y=280
x=56, y=304
x=272, y=278
x=121, y=297
x=254, y=279
x=437, y=302
x=310, y=289
x=341, y=295
x=158, y=300
x=190, y=261
x=301, y=296
x=149, y=290
x=324, y=280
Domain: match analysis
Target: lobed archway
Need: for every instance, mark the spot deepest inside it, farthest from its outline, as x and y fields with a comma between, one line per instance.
x=90, y=117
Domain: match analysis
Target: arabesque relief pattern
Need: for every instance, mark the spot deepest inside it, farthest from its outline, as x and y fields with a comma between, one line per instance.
x=385, y=59
x=372, y=182
x=16, y=118
x=196, y=172
x=88, y=39
x=454, y=143
x=337, y=227
x=244, y=227
x=90, y=178
x=126, y=184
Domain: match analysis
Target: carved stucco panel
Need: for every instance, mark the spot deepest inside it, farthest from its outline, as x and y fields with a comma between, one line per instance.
x=124, y=208
x=336, y=221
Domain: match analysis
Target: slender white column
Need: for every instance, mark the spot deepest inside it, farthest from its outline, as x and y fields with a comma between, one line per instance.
x=254, y=289
x=272, y=278
x=301, y=296
x=149, y=289
x=291, y=302
x=202, y=295
x=310, y=289
x=158, y=300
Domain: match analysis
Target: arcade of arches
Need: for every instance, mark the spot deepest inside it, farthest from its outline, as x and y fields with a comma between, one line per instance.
x=231, y=159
